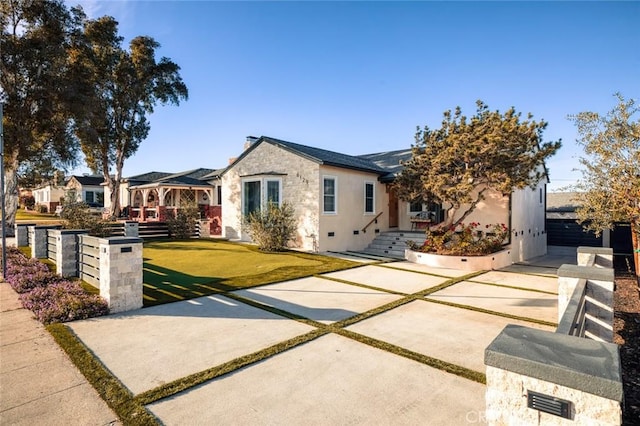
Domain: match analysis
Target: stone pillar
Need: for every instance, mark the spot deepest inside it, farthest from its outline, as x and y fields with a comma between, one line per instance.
x=121, y=273
x=599, y=297
x=38, y=241
x=22, y=234
x=131, y=228
x=205, y=228
x=584, y=374
x=67, y=251
x=603, y=256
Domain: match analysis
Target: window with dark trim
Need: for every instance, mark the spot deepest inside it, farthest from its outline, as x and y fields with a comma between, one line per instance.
x=369, y=197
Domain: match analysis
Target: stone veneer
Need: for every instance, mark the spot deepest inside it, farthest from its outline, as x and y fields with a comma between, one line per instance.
x=584, y=371
x=300, y=187
x=121, y=273
x=22, y=234
x=39, y=241
x=67, y=251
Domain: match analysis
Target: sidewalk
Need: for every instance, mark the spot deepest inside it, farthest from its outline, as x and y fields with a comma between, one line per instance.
x=38, y=383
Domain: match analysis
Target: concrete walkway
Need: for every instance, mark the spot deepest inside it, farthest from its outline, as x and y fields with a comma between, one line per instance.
x=38, y=383
x=379, y=368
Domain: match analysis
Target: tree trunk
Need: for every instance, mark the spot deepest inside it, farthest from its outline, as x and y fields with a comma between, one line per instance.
x=11, y=194
x=635, y=242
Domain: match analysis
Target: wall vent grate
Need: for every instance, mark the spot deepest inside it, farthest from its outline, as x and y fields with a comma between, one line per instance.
x=549, y=404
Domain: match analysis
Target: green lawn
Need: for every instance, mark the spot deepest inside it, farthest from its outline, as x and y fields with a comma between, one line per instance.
x=24, y=215
x=180, y=270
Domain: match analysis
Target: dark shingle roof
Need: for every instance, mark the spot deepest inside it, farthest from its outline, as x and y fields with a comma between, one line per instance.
x=89, y=180
x=148, y=177
x=389, y=160
x=324, y=156
x=561, y=202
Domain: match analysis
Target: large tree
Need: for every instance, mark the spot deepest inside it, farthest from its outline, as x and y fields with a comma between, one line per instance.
x=609, y=190
x=39, y=97
x=458, y=163
x=122, y=88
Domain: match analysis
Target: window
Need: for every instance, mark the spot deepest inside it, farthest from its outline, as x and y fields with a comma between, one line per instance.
x=273, y=192
x=257, y=193
x=88, y=196
x=329, y=191
x=415, y=206
x=219, y=194
x=251, y=196
x=369, y=198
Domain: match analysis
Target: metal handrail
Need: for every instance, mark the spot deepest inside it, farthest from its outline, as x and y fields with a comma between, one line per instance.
x=370, y=222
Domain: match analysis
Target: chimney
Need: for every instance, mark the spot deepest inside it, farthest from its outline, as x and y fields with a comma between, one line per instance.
x=249, y=141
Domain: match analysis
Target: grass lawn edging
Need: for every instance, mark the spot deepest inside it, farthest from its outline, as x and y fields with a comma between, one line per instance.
x=488, y=262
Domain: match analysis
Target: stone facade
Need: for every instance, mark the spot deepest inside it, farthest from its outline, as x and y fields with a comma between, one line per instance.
x=506, y=400
x=121, y=273
x=584, y=371
x=67, y=251
x=300, y=179
x=38, y=240
x=22, y=234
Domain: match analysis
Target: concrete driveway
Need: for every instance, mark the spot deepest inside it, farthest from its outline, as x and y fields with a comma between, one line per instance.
x=388, y=366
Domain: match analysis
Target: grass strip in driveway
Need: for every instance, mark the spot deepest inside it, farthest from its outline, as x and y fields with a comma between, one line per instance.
x=181, y=270
x=488, y=311
x=110, y=389
x=458, y=370
x=195, y=379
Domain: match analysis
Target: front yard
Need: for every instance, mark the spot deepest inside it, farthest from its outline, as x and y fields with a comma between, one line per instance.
x=180, y=270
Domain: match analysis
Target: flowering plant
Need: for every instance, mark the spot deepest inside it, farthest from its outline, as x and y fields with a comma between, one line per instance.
x=50, y=297
x=463, y=240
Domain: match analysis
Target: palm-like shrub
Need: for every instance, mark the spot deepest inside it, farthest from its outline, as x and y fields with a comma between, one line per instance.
x=272, y=228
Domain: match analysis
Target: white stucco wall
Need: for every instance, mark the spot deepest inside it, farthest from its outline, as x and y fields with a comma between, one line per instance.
x=493, y=209
x=528, y=236
x=350, y=215
x=299, y=188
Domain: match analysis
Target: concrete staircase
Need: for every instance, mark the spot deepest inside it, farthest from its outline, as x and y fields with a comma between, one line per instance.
x=392, y=244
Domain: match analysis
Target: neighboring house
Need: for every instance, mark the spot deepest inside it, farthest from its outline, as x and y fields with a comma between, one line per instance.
x=342, y=201
x=565, y=231
x=127, y=182
x=88, y=189
x=49, y=195
x=156, y=196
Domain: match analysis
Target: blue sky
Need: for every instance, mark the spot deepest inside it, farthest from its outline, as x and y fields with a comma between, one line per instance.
x=358, y=77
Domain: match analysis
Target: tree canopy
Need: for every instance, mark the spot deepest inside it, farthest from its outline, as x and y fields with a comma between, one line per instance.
x=38, y=94
x=121, y=87
x=609, y=190
x=458, y=163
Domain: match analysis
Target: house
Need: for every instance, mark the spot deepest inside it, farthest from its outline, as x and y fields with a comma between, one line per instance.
x=342, y=202
x=87, y=189
x=48, y=195
x=566, y=234
x=155, y=196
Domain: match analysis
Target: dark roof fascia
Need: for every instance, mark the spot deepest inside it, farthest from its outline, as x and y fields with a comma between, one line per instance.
x=265, y=174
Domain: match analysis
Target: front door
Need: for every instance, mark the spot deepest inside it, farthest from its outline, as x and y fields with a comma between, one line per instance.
x=393, y=208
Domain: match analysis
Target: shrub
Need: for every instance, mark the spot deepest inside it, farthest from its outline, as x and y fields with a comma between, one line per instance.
x=41, y=208
x=273, y=227
x=463, y=241
x=76, y=215
x=50, y=297
x=183, y=225
x=28, y=202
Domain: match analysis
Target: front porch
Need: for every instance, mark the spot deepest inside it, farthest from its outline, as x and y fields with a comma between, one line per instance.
x=160, y=203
